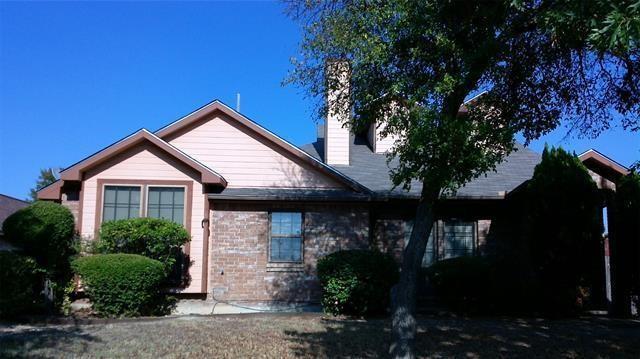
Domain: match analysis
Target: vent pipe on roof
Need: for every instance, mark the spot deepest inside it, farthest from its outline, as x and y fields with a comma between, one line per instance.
x=238, y=102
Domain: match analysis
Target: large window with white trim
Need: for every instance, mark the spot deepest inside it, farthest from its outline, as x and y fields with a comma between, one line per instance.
x=121, y=202
x=285, y=243
x=166, y=203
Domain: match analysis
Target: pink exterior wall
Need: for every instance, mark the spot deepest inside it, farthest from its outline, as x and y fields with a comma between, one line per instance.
x=244, y=158
x=147, y=162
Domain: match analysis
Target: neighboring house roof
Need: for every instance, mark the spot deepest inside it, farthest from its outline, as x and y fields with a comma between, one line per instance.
x=216, y=105
x=371, y=169
x=8, y=206
x=603, y=165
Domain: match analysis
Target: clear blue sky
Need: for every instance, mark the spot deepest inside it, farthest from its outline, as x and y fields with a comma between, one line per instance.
x=75, y=77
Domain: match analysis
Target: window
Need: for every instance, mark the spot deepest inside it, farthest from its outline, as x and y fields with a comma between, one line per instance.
x=166, y=203
x=458, y=239
x=286, y=237
x=430, y=254
x=121, y=202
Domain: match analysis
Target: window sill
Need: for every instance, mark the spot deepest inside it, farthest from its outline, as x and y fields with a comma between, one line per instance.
x=285, y=267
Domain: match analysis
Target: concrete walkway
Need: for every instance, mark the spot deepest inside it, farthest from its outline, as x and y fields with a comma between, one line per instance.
x=208, y=307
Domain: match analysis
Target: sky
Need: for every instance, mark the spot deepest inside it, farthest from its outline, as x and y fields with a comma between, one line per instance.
x=78, y=76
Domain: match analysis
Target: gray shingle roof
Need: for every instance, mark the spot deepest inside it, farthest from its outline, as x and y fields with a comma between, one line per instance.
x=371, y=170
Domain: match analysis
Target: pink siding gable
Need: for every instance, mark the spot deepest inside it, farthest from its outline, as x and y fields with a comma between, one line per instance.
x=147, y=162
x=244, y=158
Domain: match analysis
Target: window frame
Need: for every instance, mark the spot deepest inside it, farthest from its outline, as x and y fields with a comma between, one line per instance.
x=302, y=235
x=184, y=201
x=104, y=191
x=189, y=203
x=474, y=236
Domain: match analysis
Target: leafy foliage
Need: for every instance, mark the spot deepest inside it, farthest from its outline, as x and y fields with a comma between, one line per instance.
x=563, y=232
x=47, y=176
x=466, y=284
x=150, y=237
x=122, y=284
x=356, y=282
x=46, y=232
x=21, y=281
x=413, y=63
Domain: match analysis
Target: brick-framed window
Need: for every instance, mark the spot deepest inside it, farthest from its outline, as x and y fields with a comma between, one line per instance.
x=448, y=239
x=286, y=237
x=458, y=238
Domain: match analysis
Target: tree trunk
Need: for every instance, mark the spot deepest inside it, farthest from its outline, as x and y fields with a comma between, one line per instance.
x=404, y=297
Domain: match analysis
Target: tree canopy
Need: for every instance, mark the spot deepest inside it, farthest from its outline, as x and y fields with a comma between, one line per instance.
x=539, y=61
x=412, y=65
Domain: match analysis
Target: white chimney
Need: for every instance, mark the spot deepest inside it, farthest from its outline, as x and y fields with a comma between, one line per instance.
x=336, y=136
x=380, y=144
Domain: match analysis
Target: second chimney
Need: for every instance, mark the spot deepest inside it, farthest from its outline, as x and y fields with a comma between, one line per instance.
x=336, y=130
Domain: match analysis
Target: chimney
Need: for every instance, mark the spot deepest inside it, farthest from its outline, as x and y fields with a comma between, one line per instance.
x=336, y=137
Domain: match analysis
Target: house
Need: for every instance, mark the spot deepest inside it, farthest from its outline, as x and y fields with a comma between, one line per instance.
x=261, y=211
x=8, y=206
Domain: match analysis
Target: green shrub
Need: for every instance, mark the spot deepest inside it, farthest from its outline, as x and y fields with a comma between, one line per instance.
x=154, y=238
x=122, y=284
x=356, y=282
x=46, y=232
x=465, y=283
x=21, y=282
x=562, y=234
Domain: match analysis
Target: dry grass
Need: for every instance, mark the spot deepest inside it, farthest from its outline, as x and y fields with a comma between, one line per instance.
x=309, y=335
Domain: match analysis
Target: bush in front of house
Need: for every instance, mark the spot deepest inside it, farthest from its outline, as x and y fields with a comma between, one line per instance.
x=562, y=235
x=122, y=284
x=356, y=282
x=46, y=232
x=154, y=238
x=21, y=282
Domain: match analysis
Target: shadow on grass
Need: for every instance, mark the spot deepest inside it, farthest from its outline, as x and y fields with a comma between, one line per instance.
x=476, y=338
x=20, y=342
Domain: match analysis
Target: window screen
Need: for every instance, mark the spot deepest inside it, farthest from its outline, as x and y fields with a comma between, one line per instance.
x=120, y=202
x=286, y=237
x=166, y=203
x=458, y=239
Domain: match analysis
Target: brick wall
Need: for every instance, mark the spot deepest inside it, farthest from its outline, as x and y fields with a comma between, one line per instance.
x=70, y=198
x=240, y=270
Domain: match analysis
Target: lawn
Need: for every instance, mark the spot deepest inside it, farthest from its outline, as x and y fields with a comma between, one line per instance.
x=311, y=335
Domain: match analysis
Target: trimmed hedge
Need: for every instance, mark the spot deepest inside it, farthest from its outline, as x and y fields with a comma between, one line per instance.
x=154, y=238
x=46, y=232
x=21, y=283
x=356, y=282
x=122, y=284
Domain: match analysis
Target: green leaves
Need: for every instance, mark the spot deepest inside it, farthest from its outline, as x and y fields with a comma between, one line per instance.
x=540, y=62
x=121, y=284
x=356, y=281
x=151, y=237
